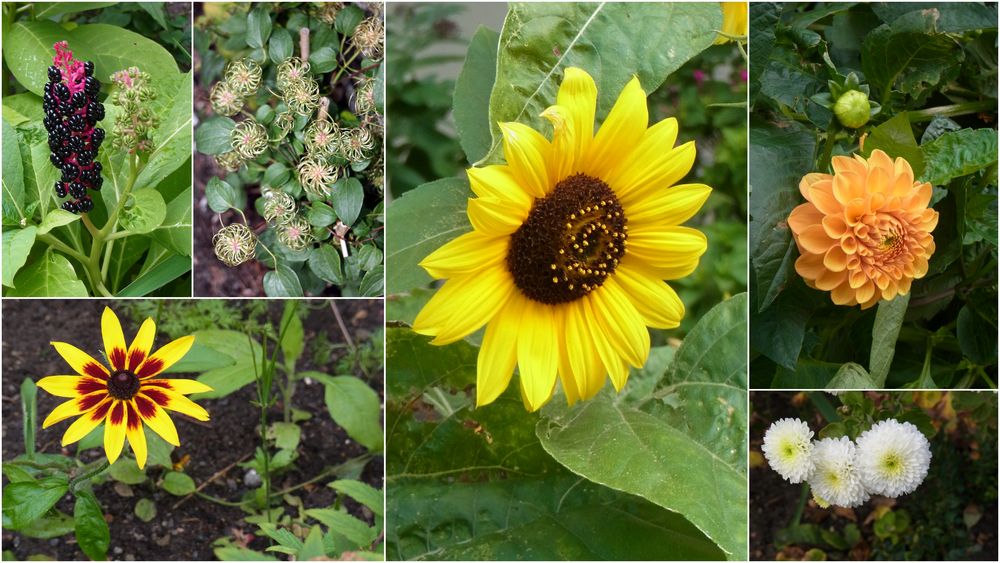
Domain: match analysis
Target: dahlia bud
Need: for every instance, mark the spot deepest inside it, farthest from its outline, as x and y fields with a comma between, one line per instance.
x=852, y=109
x=224, y=100
x=71, y=112
x=135, y=122
x=369, y=36
x=316, y=176
x=249, y=139
x=234, y=244
x=243, y=77
x=296, y=234
x=291, y=71
x=279, y=207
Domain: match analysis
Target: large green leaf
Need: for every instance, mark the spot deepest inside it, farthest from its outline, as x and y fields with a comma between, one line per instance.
x=28, y=51
x=171, y=267
x=172, y=139
x=355, y=407
x=53, y=9
x=423, y=219
x=958, y=153
x=17, y=245
x=92, y=532
x=888, y=321
x=13, y=175
x=852, y=376
x=471, y=102
x=175, y=230
x=26, y=501
x=51, y=276
x=895, y=138
x=213, y=136
x=239, y=352
x=611, y=41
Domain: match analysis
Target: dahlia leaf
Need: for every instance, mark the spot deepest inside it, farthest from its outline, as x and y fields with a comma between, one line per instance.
x=888, y=321
x=852, y=376
x=958, y=153
x=910, y=53
x=895, y=137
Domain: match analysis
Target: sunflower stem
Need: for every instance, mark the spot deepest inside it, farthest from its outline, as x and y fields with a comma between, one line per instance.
x=89, y=472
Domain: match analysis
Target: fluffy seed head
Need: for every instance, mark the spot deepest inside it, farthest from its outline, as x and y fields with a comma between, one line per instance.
x=234, y=244
x=224, y=100
x=249, y=139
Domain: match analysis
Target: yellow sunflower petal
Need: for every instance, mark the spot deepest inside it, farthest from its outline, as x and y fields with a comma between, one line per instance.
x=620, y=132
x=87, y=422
x=583, y=357
x=165, y=357
x=157, y=419
x=670, y=206
x=498, y=354
x=182, y=386
x=527, y=153
x=114, y=431
x=80, y=361
x=463, y=304
x=565, y=370
x=578, y=94
x=563, y=157
x=657, y=303
x=672, y=250
x=136, y=435
x=492, y=216
x=620, y=322
x=465, y=255
x=114, y=339
x=498, y=181
x=615, y=367
x=537, y=355
x=141, y=344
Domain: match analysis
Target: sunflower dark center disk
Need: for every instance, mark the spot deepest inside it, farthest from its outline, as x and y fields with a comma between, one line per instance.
x=570, y=243
x=123, y=385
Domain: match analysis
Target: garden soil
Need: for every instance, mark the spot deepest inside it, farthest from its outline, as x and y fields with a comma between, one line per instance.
x=185, y=533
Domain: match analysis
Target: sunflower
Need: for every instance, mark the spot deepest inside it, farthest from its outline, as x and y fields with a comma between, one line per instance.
x=864, y=233
x=126, y=395
x=735, y=16
x=571, y=242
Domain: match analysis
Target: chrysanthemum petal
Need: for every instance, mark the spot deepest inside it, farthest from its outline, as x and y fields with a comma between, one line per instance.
x=157, y=419
x=70, y=385
x=182, y=386
x=114, y=431
x=527, y=152
x=463, y=304
x=491, y=216
x=620, y=132
x=670, y=206
x=672, y=250
x=497, y=181
x=80, y=361
x=465, y=255
x=657, y=303
x=141, y=344
x=170, y=400
x=498, y=354
x=114, y=339
x=620, y=322
x=135, y=434
x=87, y=422
x=578, y=94
x=537, y=355
x=165, y=357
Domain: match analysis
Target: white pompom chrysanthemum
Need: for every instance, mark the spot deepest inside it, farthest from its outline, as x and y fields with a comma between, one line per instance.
x=893, y=458
x=788, y=449
x=835, y=479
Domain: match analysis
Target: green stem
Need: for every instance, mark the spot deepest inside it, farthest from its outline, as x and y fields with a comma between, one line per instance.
x=62, y=247
x=345, y=66
x=831, y=137
x=950, y=111
x=100, y=236
x=803, y=497
x=88, y=474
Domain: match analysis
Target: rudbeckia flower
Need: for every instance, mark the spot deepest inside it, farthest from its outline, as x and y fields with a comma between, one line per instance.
x=125, y=395
x=735, y=16
x=865, y=232
x=571, y=242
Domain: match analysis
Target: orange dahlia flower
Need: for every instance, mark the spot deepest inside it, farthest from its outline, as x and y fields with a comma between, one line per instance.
x=864, y=233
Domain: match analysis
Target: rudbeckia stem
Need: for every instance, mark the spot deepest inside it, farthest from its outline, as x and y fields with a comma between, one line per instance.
x=89, y=472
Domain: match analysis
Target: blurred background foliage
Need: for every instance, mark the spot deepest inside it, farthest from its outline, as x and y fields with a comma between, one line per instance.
x=951, y=516
x=428, y=45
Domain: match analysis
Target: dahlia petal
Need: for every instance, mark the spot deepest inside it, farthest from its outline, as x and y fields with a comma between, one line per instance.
x=157, y=419
x=537, y=355
x=182, y=386
x=465, y=255
x=824, y=200
x=809, y=266
x=843, y=295
x=835, y=259
x=165, y=357
x=657, y=303
x=921, y=197
x=498, y=354
x=676, y=248
x=136, y=435
x=848, y=186
x=86, y=423
x=814, y=239
x=804, y=216
x=69, y=385
x=654, y=171
x=903, y=183
x=865, y=291
x=620, y=322
x=80, y=361
x=527, y=155
x=114, y=339
x=492, y=217
x=621, y=131
x=114, y=431
x=578, y=94
x=856, y=279
x=141, y=344
x=879, y=160
x=830, y=279
x=498, y=181
x=879, y=182
x=464, y=304
x=670, y=206
x=812, y=179
x=843, y=164
x=584, y=360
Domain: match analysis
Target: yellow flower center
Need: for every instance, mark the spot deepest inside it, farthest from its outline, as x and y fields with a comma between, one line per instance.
x=123, y=385
x=570, y=243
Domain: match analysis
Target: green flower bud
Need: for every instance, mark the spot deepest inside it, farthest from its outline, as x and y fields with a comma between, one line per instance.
x=853, y=109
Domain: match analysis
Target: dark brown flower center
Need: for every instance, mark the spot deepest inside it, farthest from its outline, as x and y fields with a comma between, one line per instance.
x=123, y=385
x=570, y=243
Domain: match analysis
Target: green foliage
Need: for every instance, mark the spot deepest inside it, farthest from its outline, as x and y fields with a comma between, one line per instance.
x=330, y=226
x=933, y=92
x=141, y=244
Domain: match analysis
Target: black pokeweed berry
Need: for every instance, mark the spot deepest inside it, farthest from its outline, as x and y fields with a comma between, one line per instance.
x=72, y=110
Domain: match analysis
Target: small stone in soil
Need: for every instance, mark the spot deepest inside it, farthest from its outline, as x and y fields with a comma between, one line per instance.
x=252, y=479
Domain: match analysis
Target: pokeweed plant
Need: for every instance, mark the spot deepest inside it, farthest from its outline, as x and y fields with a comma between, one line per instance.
x=96, y=159
x=873, y=245
x=296, y=100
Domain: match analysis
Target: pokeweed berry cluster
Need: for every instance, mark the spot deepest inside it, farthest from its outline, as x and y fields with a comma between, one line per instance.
x=71, y=113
